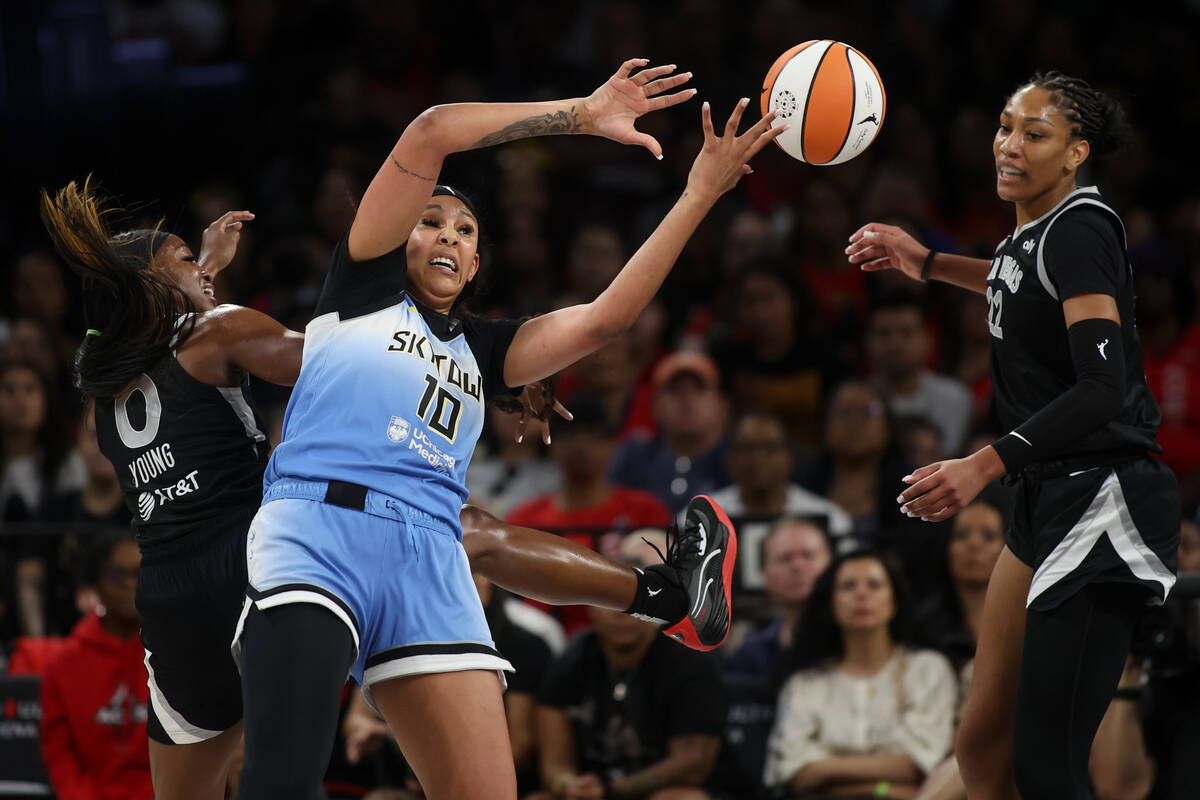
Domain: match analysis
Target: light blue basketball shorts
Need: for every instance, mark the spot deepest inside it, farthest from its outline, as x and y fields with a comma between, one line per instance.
x=396, y=576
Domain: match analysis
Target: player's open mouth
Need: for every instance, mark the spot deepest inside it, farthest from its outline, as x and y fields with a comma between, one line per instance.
x=444, y=263
x=1007, y=173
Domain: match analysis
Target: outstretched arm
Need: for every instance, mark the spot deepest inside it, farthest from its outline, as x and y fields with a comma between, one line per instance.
x=405, y=181
x=546, y=344
x=874, y=247
x=231, y=340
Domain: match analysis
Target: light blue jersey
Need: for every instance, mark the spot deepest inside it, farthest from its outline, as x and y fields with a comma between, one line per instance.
x=390, y=395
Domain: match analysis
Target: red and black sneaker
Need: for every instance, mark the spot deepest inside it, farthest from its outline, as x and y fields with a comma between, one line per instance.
x=703, y=555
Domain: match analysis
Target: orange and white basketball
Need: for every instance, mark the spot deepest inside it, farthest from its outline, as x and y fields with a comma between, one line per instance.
x=832, y=96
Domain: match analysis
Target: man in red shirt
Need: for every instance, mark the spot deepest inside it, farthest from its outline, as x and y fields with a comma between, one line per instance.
x=589, y=509
x=94, y=691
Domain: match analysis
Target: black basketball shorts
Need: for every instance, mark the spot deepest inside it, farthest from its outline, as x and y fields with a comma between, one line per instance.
x=1103, y=524
x=190, y=594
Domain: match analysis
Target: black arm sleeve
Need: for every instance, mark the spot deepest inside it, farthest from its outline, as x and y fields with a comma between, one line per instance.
x=354, y=288
x=1097, y=396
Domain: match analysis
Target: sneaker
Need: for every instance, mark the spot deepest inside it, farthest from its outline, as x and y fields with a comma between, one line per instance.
x=703, y=554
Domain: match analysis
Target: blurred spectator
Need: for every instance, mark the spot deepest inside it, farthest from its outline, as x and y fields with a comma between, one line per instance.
x=39, y=292
x=1189, y=548
x=687, y=457
x=505, y=473
x=594, y=258
x=760, y=463
x=33, y=438
x=101, y=498
x=588, y=508
x=950, y=619
x=611, y=375
x=1166, y=305
x=969, y=350
x=530, y=657
x=626, y=712
x=794, y=554
x=861, y=467
x=898, y=352
x=863, y=713
x=920, y=440
x=771, y=363
x=94, y=692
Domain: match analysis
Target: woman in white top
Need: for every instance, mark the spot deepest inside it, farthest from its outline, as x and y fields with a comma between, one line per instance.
x=862, y=714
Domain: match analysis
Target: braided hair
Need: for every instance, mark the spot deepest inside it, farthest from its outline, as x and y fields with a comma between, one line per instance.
x=1094, y=116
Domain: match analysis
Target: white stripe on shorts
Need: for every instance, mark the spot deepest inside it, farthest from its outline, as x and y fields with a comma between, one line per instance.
x=1108, y=513
x=174, y=725
x=298, y=595
x=434, y=662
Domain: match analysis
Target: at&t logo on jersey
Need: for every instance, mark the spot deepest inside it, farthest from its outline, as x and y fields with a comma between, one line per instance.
x=398, y=429
x=146, y=505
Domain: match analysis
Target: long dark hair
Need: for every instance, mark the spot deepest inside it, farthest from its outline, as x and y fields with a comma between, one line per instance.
x=132, y=306
x=818, y=640
x=52, y=437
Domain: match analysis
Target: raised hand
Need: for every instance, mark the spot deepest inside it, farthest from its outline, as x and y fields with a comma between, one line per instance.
x=875, y=247
x=220, y=240
x=537, y=401
x=613, y=108
x=722, y=160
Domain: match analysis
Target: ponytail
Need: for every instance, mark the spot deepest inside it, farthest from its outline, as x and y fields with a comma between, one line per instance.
x=129, y=308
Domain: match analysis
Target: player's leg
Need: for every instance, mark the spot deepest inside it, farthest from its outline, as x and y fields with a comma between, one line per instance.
x=190, y=595
x=543, y=566
x=295, y=659
x=556, y=570
x=196, y=771
x=451, y=728
x=1073, y=657
x=984, y=743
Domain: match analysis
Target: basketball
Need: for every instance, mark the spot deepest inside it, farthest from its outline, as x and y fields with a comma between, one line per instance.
x=832, y=96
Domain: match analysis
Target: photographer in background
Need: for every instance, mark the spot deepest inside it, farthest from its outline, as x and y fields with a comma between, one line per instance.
x=1148, y=739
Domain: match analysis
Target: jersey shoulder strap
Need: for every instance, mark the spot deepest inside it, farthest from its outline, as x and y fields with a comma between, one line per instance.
x=1083, y=197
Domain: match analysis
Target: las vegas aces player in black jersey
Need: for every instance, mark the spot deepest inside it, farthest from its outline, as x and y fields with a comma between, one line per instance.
x=167, y=369
x=1097, y=519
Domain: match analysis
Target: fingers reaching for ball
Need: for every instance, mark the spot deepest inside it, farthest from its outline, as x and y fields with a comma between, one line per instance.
x=722, y=160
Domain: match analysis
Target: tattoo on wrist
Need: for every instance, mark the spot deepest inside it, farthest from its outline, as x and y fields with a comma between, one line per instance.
x=400, y=167
x=542, y=125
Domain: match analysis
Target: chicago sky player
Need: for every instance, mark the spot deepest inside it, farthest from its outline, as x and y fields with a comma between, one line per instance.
x=1097, y=519
x=175, y=417
x=354, y=558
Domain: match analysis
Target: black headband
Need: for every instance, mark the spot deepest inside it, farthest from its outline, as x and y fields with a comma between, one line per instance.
x=443, y=189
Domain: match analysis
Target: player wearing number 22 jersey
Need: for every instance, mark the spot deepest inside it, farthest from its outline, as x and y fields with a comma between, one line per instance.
x=383, y=419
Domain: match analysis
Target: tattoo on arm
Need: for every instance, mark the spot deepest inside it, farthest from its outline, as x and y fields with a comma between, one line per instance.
x=400, y=167
x=541, y=125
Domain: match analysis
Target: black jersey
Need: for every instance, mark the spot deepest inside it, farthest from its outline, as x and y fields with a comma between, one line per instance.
x=1078, y=247
x=187, y=454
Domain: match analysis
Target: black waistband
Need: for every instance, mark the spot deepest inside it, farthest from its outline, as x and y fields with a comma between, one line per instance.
x=1065, y=466
x=346, y=495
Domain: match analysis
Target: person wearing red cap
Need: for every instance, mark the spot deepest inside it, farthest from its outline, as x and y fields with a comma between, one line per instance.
x=688, y=456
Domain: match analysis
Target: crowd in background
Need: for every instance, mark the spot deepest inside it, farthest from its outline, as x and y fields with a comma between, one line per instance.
x=769, y=373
